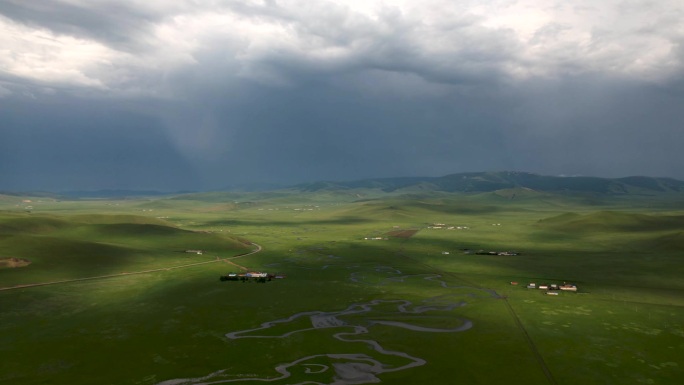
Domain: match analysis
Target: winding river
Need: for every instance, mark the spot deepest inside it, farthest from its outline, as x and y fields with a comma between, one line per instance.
x=352, y=368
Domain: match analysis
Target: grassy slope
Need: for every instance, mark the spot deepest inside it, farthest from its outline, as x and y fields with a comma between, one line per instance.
x=624, y=326
x=70, y=247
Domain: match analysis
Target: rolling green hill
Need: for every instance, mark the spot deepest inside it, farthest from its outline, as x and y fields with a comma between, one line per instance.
x=614, y=221
x=71, y=247
x=392, y=281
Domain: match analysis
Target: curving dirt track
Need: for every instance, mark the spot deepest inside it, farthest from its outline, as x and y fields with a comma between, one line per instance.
x=258, y=249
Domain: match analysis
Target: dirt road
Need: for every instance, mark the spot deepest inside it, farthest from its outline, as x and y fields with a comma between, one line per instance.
x=258, y=249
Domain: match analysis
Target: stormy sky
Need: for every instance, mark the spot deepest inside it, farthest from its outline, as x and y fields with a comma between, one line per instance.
x=207, y=94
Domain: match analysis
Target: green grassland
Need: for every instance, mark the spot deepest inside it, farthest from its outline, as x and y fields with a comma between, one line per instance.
x=398, y=310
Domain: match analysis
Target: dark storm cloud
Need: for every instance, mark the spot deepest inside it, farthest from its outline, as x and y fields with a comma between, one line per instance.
x=333, y=40
x=208, y=94
x=116, y=23
x=74, y=144
x=322, y=132
x=572, y=128
x=592, y=126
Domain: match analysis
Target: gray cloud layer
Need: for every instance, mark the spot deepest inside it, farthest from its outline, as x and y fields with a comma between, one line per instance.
x=177, y=95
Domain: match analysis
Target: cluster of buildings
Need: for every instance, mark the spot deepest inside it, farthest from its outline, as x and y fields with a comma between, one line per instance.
x=439, y=226
x=252, y=275
x=551, y=289
x=485, y=252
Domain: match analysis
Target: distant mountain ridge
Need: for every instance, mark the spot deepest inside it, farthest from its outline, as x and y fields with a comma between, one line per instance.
x=92, y=194
x=502, y=182
x=478, y=182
